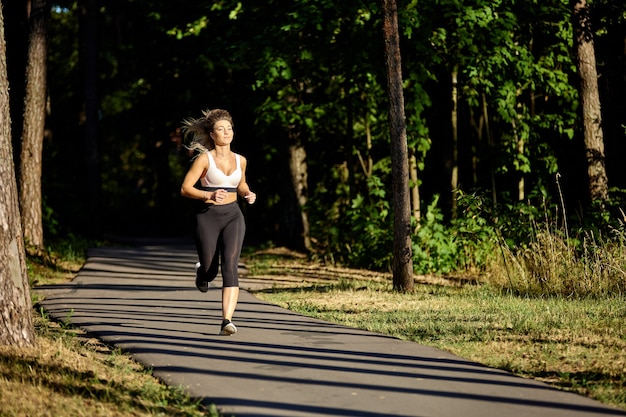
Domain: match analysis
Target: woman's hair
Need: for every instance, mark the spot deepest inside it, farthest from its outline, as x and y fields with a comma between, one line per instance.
x=199, y=129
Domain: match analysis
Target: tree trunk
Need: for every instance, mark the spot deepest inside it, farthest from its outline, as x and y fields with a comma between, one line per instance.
x=16, y=325
x=415, y=190
x=299, y=181
x=402, y=248
x=293, y=224
x=454, y=179
x=590, y=98
x=519, y=140
x=367, y=163
x=491, y=146
x=34, y=124
x=478, y=128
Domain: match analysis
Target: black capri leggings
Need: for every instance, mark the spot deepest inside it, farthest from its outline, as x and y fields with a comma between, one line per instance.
x=220, y=228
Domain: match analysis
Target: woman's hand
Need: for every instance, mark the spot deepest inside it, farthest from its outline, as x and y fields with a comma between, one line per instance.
x=250, y=197
x=219, y=196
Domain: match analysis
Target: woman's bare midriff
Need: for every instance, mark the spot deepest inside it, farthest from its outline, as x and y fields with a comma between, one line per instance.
x=231, y=198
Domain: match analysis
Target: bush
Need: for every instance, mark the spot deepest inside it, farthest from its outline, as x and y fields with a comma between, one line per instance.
x=464, y=246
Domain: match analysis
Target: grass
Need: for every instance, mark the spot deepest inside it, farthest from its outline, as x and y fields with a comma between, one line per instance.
x=70, y=374
x=577, y=345
x=587, y=265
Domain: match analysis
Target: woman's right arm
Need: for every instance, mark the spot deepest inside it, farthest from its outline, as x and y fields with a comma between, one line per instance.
x=196, y=171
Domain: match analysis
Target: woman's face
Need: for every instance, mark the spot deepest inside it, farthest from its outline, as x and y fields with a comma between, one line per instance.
x=222, y=133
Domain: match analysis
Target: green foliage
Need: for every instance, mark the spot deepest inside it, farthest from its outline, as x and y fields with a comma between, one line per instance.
x=369, y=220
x=311, y=71
x=434, y=247
x=71, y=247
x=50, y=222
x=534, y=250
x=191, y=28
x=500, y=63
x=463, y=246
x=527, y=249
x=476, y=231
x=357, y=234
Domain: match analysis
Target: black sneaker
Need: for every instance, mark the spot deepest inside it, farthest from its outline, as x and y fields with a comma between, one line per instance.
x=201, y=285
x=228, y=328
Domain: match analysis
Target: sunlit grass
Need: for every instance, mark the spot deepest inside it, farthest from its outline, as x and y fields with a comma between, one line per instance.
x=554, y=263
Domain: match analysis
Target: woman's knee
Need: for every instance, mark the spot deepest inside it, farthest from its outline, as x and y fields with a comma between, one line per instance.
x=230, y=278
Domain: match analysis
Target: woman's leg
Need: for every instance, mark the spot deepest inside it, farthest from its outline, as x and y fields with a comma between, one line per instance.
x=213, y=269
x=207, y=246
x=230, y=296
x=232, y=241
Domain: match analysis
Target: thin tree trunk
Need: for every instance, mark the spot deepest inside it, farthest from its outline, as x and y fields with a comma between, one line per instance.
x=34, y=124
x=16, y=323
x=367, y=163
x=521, y=192
x=299, y=181
x=368, y=166
x=590, y=98
x=402, y=248
x=492, y=173
x=415, y=190
x=454, y=179
x=478, y=128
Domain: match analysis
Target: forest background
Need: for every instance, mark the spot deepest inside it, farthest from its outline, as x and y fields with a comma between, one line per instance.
x=493, y=112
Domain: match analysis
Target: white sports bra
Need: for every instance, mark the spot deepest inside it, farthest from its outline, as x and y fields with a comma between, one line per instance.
x=215, y=179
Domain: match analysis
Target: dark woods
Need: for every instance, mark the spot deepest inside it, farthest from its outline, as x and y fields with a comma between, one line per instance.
x=491, y=98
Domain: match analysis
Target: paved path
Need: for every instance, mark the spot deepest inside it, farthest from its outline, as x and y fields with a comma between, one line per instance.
x=143, y=300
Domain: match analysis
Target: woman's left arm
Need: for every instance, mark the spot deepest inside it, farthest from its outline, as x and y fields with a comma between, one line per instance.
x=243, y=189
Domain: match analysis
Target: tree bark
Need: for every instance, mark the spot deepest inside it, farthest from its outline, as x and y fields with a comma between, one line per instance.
x=402, y=247
x=16, y=325
x=490, y=146
x=299, y=181
x=454, y=179
x=367, y=163
x=590, y=99
x=415, y=190
x=293, y=224
x=34, y=123
x=521, y=190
